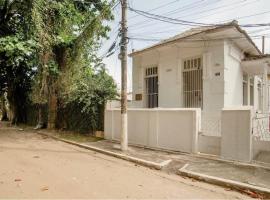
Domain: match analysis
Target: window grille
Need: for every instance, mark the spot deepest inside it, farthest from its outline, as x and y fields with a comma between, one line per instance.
x=151, y=79
x=193, y=83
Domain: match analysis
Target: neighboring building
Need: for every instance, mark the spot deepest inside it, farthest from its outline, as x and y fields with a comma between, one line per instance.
x=211, y=68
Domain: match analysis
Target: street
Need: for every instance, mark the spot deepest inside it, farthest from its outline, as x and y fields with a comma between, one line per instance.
x=33, y=166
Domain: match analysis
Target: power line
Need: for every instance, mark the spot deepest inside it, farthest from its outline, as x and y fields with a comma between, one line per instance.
x=220, y=7
x=176, y=29
x=184, y=22
x=197, y=40
x=207, y=10
x=112, y=49
x=156, y=8
x=229, y=7
x=167, y=19
x=182, y=8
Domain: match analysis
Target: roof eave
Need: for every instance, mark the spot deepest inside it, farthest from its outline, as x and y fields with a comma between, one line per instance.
x=233, y=24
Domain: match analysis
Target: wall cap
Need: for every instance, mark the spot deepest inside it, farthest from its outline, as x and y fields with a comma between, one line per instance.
x=156, y=109
x=238, y=108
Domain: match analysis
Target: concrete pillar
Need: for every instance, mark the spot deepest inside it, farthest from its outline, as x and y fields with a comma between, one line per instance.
x=236, y=133
x=255, y=93
x=265, y=90
x=248, y=90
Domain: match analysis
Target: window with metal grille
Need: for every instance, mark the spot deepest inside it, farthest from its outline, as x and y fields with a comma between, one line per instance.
x=151, y=80
x=193, y=83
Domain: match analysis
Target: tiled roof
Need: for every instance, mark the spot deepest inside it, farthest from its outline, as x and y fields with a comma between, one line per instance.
x=195, y=31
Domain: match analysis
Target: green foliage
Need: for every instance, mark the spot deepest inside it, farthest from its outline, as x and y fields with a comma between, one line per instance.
x=43, y=42
x=53, y=68
x=17, y=51
x=90, y=89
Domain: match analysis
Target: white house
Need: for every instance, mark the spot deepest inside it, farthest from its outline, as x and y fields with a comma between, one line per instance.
x=211, y=68
x=198, y=92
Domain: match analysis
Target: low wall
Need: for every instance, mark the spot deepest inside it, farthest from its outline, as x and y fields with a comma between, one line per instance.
x=209, y=144
x=236, y=134
x=260, y=146
x=171, y=129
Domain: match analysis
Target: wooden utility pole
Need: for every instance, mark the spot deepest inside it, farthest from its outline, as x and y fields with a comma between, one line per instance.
x=123, y=56
x=263, y=43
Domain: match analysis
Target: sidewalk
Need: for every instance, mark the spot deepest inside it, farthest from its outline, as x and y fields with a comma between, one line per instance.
x=245, y=177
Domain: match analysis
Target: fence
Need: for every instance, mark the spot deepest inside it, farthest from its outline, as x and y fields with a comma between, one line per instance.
x=260, y=127
x=171, y=129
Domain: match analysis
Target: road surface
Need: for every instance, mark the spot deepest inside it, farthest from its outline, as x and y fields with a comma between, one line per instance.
x=32, y=166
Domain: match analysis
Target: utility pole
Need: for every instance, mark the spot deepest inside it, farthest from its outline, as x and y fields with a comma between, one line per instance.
x=123, y=56
x=263, y=43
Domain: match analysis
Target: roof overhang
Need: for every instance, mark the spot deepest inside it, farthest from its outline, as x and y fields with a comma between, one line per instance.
x=231, y=31
x=256, y=66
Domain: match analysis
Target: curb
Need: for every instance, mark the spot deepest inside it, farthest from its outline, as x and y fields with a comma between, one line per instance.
x=256, y=164
x=139, y=161
x=224, y=182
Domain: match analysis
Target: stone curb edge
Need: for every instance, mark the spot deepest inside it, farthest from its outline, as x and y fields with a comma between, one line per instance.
x=223, y=182
x=139, y=161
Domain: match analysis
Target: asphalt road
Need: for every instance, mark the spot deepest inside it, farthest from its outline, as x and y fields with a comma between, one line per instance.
x=32, y=166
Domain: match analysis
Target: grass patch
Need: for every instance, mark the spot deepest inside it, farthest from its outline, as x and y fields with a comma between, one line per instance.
x=79, y=137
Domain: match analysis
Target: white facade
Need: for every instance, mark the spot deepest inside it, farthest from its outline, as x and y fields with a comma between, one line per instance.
x=222, y=75
x=211, y=90
x=227, y=81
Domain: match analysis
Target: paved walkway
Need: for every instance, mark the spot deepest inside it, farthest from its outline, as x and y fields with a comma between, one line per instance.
x=33, y=166
x=253, y=175
x=245, y=174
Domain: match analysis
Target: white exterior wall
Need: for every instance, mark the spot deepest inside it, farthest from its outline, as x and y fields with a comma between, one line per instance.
x=171, y=129
x=236, y=134
x=209, y=144
x=260, y=146
x=233, y=75
x=169, y=61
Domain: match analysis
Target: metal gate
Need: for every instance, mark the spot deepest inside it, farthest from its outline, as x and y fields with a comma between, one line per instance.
x=193, y=83
x=260, y=127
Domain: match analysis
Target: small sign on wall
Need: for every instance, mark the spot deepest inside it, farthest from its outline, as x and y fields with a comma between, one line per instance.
x=138, y=97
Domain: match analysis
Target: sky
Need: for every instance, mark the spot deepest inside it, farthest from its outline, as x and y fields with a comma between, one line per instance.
x=205, y=11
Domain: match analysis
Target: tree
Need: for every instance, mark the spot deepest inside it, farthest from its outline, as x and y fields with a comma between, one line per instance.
x=17, y=55
x=66, y=30
x=42, y=46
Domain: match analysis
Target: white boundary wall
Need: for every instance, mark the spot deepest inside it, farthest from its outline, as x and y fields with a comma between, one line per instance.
x=209, y=144
x=260, y=146
x=171, y=129
x=236, y=133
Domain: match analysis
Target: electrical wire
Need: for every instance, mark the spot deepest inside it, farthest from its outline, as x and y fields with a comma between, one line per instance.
x=208, y=10
x=156, y=8
x=181, y=9
x=184, y=22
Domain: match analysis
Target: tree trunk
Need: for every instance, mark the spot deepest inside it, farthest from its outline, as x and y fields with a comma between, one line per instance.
x=12, y=105
x=4, y=116
x=43, y=89
x=52, y=105
x=54, y=100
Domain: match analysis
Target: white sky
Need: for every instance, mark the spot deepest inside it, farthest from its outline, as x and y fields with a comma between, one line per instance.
x=206, y=11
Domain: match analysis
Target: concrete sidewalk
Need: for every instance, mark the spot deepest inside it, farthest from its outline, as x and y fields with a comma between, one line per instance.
x=250, y=176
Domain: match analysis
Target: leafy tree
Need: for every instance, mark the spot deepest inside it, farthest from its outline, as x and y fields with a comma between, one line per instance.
x=48, y=48
x=89, y=89
x=17, y=55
